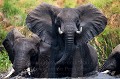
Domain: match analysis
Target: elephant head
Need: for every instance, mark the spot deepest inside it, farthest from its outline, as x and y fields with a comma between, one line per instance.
x=113, y=62
x=66, y=27
x=22, y=51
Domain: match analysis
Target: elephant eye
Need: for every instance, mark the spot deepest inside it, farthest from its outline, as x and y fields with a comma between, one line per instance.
x=58, y=20
x=31, y=52
x=13, y=51
x=77, y=23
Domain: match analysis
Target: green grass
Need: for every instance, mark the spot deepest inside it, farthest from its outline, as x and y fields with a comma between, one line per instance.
x=70, y=3
x=100, y=3
x=2, y=34
x=9, y=8
x=16, y=10
x=4, y=61
x=105, y=42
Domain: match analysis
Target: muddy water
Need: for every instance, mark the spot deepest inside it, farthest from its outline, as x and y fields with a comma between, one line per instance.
x=98, y=76
x=101, y=76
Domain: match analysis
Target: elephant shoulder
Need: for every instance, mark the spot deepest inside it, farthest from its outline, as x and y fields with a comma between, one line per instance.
x=93, y=52
x=91, y=47
x=44, y=47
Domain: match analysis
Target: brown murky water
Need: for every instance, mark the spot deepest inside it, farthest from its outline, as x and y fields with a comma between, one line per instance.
x=98, y=76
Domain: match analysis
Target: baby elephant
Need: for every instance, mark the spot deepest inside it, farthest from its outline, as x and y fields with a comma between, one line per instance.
x=22, y=51
x=113, y=62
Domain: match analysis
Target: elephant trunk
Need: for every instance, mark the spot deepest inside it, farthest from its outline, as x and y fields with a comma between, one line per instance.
x=103, y=68
x=110, y=64
x=21, y=62
x=69, y=48
x=69, y=42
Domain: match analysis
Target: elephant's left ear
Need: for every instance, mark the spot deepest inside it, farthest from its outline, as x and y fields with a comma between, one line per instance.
x=92, y=21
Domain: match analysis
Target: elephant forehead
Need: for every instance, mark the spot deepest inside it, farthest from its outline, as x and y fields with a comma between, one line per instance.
x=22, y=44
x=68, y=14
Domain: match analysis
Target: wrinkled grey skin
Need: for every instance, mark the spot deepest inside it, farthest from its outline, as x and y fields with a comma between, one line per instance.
x=113, y=61
x=45, y=21
x=22, y=51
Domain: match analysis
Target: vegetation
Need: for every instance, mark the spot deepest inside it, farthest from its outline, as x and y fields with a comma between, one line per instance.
x=13, y=14
x=4, y=62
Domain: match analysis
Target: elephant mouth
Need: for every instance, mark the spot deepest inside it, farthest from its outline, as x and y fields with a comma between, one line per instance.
x=12, y=71
x=78, y=31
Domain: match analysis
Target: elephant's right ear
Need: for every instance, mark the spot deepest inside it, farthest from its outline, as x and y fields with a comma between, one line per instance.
x=9, y=42
x=41, y=21
x=13, y=35
x=92, y=21
x=8, y=47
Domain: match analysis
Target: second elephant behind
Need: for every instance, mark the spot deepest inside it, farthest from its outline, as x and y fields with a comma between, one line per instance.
x=22, y=51
x=112, y=64
x=31, y=52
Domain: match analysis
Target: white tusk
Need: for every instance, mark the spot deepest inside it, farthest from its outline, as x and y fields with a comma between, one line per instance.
x=105, y=72
x=79, y=31
x=10, y=73
x=28, y=70
x=60, y=31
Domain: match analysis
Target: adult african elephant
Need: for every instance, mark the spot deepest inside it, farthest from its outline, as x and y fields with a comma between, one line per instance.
x=67, y=31
x=112, y=64
x=22, y=51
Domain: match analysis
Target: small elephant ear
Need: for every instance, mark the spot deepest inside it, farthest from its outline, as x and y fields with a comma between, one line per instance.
x=8, y=47
x=13, y=35
x=92, y=21
x=41, y=21
x=9, y=42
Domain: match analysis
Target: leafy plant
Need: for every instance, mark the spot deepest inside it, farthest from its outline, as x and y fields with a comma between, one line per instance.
x=105, y=42
x=4, y=61
x=9, y=8
x=2, y=35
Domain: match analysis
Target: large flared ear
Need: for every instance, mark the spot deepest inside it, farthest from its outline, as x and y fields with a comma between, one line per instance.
x=92, y=21
x=8, y=42
x=41, y=21
x=13, y=35
x=8, y=47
